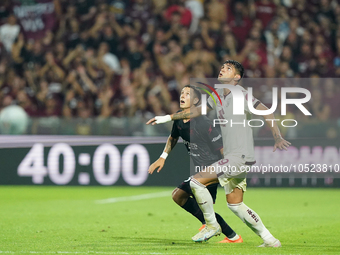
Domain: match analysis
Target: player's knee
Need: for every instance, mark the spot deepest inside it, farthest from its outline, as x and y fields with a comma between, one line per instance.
x=196, y=185
x=175, y=196
x=235, y=197
x=179, y=196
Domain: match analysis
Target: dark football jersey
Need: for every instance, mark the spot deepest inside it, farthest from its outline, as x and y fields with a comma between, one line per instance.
x=202, y=140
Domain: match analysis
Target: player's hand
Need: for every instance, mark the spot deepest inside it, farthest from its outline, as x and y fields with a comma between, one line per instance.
x=151, y=121
x=281, y=143
x=159, y=120
x=159, y=163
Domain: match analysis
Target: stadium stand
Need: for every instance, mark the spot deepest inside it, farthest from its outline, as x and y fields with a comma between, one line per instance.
x=96, y=66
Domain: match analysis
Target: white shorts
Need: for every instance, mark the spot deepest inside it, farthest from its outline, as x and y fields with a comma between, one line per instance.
x=231, y=173
x=233, y=183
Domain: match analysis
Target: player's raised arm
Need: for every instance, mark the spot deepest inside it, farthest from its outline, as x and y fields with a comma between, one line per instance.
x=190, y=105
x=159, y=163
x=280, y=143
x=193, y=112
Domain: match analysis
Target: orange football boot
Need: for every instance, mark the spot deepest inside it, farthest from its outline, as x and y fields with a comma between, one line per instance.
x=227, y=240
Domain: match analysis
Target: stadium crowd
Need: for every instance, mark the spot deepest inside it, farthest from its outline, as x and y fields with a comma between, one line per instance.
x=102, y=58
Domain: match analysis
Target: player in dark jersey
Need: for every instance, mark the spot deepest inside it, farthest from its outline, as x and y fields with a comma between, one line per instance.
x=204, y=145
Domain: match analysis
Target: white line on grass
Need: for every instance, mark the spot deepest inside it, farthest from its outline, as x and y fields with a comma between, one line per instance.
x=79, y=252
x=134, y=198
x=139, y=253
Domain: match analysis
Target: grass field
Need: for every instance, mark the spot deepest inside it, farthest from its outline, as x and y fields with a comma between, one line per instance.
x=83, y=220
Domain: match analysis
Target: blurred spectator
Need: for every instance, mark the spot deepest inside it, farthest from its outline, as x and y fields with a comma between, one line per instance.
x=52, y=107
x=287, y=55
x=274, y=33
x=25, y=102
x=9, y=32
x=200, y=55
x=108, y=58
x=165, y=61
x=4, y=10
x=274, y=50
x=84, y=123
x=140, y=12
x=133, y=54
x=228, y=48
x=111, y=39
x=264, y=11
x=197, y=11
x=303, y=58
x=180, y=10
x=240, y=23
x=216, y=13
x=118, y=8
x=51, y=70
x=209, y=36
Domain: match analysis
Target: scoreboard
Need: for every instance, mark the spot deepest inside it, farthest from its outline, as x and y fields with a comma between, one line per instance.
x=110, y=161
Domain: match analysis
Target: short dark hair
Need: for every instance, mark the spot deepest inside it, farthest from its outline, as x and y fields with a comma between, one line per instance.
x=238, y=67
x=196, y=91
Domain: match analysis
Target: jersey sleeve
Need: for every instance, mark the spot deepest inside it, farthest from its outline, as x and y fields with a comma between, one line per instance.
x=174, y=130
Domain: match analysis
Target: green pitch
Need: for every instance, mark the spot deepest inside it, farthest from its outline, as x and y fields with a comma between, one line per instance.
x=78, y=220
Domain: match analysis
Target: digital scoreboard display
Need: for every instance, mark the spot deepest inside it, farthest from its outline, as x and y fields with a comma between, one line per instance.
x=110, y=161
x=106, y=164
x=76, y=160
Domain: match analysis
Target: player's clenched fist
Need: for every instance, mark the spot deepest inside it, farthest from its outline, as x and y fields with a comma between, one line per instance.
x=159, y=163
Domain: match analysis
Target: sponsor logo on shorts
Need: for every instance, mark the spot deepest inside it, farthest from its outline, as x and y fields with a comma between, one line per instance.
x=223, y=161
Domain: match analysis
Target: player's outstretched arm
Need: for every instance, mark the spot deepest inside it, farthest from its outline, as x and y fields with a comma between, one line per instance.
x=280, y=143
x=185, y=114
x=159, y=163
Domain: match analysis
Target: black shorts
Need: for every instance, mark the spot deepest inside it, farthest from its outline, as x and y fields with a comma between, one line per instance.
x=185, y=186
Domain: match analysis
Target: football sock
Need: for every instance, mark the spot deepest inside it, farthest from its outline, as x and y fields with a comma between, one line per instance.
x=226, y=230
x=204, y=201
x=252, y=220
x=192, y=207
x=234, y=238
